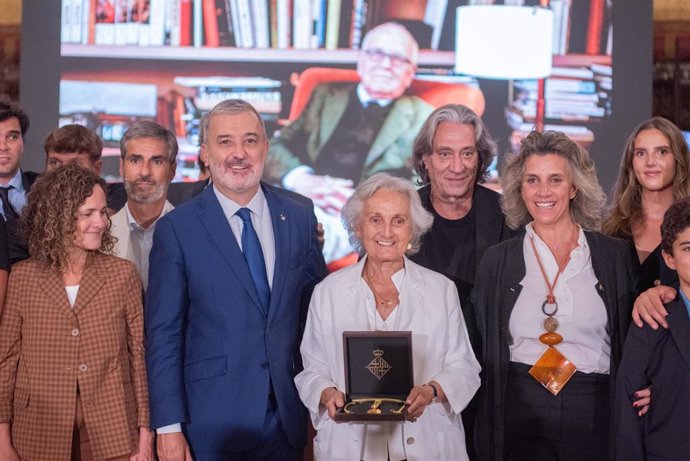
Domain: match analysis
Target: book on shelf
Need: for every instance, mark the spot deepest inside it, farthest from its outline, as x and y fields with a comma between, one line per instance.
x=121, y=29
x=197, y=23
x=104, y=33
x=284, y=23
x=278, y=24
x=260, y=21
x=591, y=18
x=211, y=23
x=66, y=21
x=561, y=26
x=183, y=26
x=574, y=98
x=144, y=17
x=358, y=23
x=559, y=84
x=318, y=36
x=346, y=10
x=574, y=72
x=332, y=24
x=76, y=26
x=434, y=15
x=135, y=12
x=151, y=18
x=243, y=27
x=226, y=36
x=302, y=24
x=581, y=135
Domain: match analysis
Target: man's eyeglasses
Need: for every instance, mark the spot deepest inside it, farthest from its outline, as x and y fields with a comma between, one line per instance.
x=378, y=55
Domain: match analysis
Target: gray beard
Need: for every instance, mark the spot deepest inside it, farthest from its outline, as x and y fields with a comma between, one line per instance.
x=138, y=197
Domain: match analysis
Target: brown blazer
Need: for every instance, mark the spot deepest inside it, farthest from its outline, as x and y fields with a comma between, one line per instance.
x=49, y=350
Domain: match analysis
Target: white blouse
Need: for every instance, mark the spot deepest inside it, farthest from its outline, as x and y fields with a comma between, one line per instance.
x=383, y=441
x=376, y=322
x=72, y=291
x=581, y=312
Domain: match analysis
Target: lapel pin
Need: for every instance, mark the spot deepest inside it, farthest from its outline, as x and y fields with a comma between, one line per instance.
x=282, y=217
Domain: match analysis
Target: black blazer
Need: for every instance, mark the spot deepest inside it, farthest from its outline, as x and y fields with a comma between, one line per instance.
x=660, y=358
x=496, y=290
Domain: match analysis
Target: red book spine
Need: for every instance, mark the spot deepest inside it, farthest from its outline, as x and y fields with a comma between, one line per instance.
x=91, y=39
x=185, y=22
x=596, y=21
x=211, y=23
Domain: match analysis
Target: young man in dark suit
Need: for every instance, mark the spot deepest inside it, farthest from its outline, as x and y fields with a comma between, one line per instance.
x=660, y=358
x=14, y=183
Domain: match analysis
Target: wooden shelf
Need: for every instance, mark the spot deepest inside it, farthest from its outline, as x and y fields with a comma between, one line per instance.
x=269, y=55
x=581, y=60
x=273, y=55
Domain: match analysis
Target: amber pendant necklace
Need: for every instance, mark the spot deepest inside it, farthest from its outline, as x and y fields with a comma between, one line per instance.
x=550, y=306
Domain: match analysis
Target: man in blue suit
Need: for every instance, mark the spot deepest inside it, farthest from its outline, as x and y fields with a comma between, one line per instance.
x=231, y=273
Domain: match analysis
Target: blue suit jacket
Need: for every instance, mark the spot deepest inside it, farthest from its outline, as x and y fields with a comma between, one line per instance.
x=212, y=350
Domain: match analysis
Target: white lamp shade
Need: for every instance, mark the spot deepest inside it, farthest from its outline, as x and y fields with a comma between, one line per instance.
x=504, y=42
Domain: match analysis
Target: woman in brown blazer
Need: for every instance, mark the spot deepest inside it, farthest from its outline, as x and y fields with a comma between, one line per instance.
x=72, y=373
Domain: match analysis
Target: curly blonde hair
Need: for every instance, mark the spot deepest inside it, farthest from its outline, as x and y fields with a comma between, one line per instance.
x=590, y=199
x=49, y=218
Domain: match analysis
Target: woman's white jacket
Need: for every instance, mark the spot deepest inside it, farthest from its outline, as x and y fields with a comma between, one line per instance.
x=430, y=309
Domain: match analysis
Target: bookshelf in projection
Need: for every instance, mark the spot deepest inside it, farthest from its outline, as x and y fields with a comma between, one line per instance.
x=256, y=48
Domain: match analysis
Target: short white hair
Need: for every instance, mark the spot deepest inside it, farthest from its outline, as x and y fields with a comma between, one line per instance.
x=352, y=211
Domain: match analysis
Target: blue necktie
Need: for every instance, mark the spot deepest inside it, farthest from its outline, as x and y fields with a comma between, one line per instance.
x=251, y=247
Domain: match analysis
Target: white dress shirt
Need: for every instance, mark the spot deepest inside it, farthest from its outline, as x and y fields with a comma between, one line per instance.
x=581, y=312
x=261, y=220
x=141, y=241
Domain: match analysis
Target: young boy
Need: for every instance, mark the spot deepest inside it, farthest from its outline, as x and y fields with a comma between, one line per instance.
x=660, y=358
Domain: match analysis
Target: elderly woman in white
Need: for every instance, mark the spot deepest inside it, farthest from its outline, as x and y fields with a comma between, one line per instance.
x=387, y=291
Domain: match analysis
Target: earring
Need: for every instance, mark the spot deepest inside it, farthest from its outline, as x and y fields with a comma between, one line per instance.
x=409, y=246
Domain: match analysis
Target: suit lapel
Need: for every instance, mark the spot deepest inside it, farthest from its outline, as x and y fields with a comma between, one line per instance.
x=679, y=324
x=411, y=294
x=605, y=286
x=512, y=287
x=124, y=249
x=91, y=283
x=282, y=227
x=54, y=288
x=332, y=113
x=217, y=226
x=398, y=122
